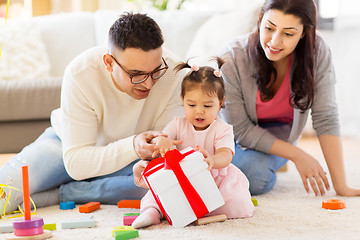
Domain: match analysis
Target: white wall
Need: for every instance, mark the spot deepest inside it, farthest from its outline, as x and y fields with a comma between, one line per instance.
x=344, y=43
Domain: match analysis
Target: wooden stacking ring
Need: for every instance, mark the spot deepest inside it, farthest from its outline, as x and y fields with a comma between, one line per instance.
x=333, y=204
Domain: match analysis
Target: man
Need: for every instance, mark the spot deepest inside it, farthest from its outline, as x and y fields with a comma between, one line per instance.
x=108, y=96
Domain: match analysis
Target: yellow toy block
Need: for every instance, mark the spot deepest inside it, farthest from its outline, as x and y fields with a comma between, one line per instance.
x=121, y=229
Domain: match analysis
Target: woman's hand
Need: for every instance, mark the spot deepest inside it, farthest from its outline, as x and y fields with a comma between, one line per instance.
x=311, y=173
x=163, y=145
x=138, y=168
x=309, y=168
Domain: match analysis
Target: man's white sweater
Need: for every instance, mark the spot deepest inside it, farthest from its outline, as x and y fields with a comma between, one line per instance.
x=96, y=122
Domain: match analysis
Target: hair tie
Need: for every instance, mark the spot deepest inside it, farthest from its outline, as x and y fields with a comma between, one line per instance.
x=195, y=68
x=217, y=73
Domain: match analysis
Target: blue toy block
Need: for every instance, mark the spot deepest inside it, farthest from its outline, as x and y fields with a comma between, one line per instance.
x=67, y=205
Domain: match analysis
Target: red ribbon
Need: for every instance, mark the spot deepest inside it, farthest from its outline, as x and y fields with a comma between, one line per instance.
x=171, y=161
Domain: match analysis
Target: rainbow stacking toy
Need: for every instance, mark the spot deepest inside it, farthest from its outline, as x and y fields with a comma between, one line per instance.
x=27, y=227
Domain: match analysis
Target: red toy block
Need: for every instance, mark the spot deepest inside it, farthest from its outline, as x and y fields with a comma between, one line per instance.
x=89, y=207
x=128, y=220
x=129, y=204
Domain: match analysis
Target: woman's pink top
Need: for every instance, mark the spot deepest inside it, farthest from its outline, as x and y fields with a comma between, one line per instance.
x=278, y=109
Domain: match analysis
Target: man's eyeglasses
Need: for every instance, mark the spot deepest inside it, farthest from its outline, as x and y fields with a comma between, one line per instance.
x=139, y=78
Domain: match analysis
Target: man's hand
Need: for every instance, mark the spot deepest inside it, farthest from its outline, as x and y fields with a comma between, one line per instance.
x=138, y=168
x=142, y=146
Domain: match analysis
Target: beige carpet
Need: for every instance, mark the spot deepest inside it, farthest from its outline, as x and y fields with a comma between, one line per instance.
x=287, y=212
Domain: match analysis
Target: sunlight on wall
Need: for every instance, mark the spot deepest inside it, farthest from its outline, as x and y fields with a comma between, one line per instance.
x=329, y=8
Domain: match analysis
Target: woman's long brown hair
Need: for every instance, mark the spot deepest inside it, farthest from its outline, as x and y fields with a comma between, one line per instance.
x=302, y=84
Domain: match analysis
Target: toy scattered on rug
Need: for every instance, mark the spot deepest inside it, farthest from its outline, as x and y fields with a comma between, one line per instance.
x=129, y=218
x=78, y=223
x=33, y=228
x=121, y=229
x=129, y=204
x=254, y=201
x=50, y=226
x=333, y=204
x=124, y=232
x=211, y=219
x=89, y=207
x=6, y=229
x=67, y=205
x=27, y=227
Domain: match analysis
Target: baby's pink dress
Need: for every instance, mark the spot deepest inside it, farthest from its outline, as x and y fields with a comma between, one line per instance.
x=232, y=183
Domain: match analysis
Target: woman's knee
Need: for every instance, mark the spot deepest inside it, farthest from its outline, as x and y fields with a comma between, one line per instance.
x=260, y=168
x=261, y=185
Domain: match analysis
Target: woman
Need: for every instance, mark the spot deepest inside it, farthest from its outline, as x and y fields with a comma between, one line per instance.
x=274, y=77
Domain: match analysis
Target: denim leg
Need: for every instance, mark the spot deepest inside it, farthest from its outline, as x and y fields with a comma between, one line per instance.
x=108, y=189
x=47, y=171
x=45, y=164
x=260, y=168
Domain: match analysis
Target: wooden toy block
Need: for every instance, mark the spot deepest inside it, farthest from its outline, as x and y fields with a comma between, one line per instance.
x=6, y=229
x=87, y=216
x=254, y=201
x=45, y=235
x=211, y=219
x=121, y=229
x=50, y=226
x=129, y=204
x=131, y=214
x=128, y=220
x=89, y=207
x=67, y=205
x=126, y=235
x=78, y=223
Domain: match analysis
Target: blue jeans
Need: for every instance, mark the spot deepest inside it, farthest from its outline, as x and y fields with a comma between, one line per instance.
x=260, y=168
x=46, y=171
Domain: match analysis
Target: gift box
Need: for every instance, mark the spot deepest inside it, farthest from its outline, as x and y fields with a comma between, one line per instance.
x=182, y=186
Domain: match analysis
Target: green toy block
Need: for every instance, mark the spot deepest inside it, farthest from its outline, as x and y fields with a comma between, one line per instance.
x=50, y=226
x=131, y=214
x=124, y=235
x=121, y=229
x=254, y=201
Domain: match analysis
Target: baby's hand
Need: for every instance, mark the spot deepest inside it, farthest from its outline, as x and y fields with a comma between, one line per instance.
x=138, y=168
x=207, y=157
x=164, y=145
